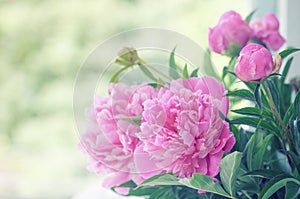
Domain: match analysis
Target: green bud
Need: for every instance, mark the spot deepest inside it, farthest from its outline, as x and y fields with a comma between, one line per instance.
x=127, y=56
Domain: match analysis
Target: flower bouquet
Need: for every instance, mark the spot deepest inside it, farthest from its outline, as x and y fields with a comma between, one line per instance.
x=186, y=136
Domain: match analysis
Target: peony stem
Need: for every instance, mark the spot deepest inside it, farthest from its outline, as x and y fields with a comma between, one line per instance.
x=277, y=115
x=154, y=69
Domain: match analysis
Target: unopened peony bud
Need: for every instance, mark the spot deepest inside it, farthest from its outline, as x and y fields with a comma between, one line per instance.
x=254, y=63
x=127, y=56
x=229, y=35
x=266, y=30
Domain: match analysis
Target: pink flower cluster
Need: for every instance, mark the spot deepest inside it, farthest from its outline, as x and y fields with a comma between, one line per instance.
x=266, y=30
x=232, y=33
x=109, y=140
x=180, y=130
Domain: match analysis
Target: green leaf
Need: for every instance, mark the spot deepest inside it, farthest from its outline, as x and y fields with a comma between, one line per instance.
x=292, y=110
x=286, y=69
x=296, y=160
x=173, y=68
x=143, y=191
x=247, y=183
x=294, y=135
x=185, y=73
x=264, y=173
x=255, y=122
x=288, y=52
x=115, y=76
x=257, y=96
x=249, y=17
x=194, y=73
x=250, y=151
x=158, y=193
x=205, y=183
x=292, y=190
x=242, y=93
x=253, y=111
x=274, y=93
x=251, y=85
x=208, y=67
x=275, y=184
x=229, y=167
x=259, y=156
x=237, y=136
x=147, y=72
x=161, y=179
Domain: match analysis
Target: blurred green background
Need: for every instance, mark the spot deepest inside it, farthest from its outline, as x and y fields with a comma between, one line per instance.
x=42, y=45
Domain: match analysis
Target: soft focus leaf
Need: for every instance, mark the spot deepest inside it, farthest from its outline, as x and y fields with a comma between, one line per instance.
x=249, y=17
x=195, y=73
x=288, y=52
x=295, y=135
x=115, y=76
x=296, y=160
x=292, y=190
x=205, y=183
x=208, y=67
x=185, y=73
x=147, y=72
x=229, y=167
x=281, y=162
x=173, y=68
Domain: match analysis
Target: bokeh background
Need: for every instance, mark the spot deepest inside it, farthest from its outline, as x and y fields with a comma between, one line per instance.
x=42, y=45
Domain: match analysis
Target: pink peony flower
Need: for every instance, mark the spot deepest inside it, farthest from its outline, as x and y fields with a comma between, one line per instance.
x=110, y=139
x=254, y=63
x=266, y=30
x=229, y=35
x=182, y=131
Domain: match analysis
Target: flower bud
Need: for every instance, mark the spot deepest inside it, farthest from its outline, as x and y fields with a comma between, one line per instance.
x=229, y=35
x=277, y=63
x=254, y=63
x=127, y=56
x=266, y=30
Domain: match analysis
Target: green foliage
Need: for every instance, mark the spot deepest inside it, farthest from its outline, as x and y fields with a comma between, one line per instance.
x=229, y=167
x=249, y=17
x=173, y=68
x=288, y=52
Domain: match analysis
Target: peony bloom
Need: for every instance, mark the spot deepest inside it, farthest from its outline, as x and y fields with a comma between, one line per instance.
x=229, y=35
x=254, y=63
x=110, y=140
x=266, y=30
x=181, y=129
